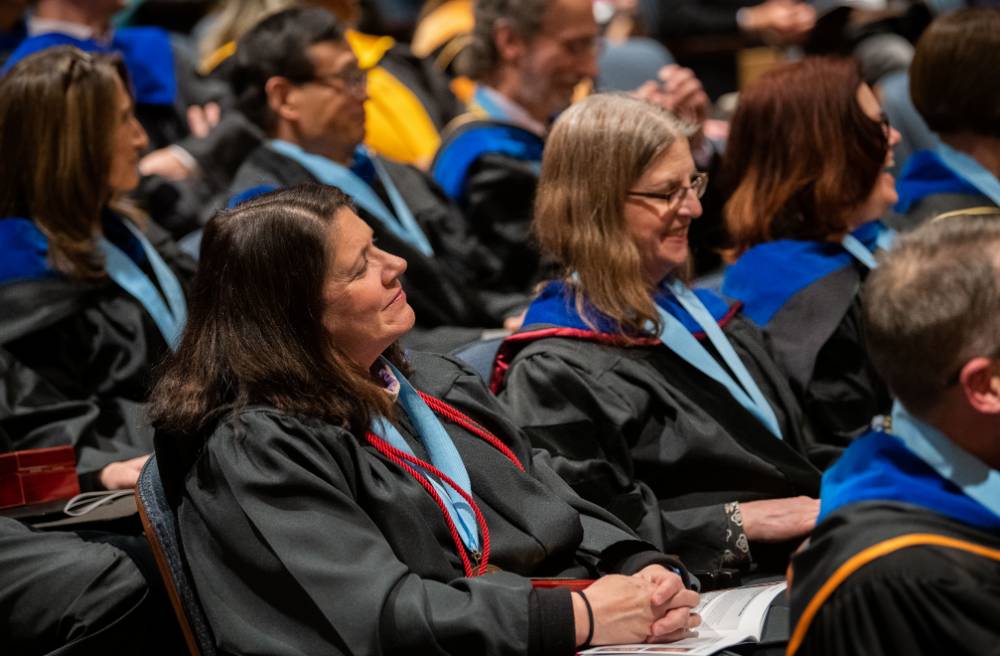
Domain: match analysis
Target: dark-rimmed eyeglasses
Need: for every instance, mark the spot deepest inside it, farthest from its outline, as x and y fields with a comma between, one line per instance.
x=352, y=80
x=697, y=185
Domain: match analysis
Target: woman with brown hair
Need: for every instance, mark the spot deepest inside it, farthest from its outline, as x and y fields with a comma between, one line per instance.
x=90, y=299
x=807, y=154
x=336, y=498
x=656, y=402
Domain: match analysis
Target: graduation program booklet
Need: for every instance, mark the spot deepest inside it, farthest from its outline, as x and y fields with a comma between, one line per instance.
x=728, y=617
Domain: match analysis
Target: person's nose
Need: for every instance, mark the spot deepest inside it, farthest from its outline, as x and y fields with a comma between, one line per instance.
x=393, y=269
x=690, y=207
x=139, y=139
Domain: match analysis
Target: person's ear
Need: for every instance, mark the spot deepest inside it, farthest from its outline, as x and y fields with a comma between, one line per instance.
x=281, y=98
x=509, y=44
x=980, y=380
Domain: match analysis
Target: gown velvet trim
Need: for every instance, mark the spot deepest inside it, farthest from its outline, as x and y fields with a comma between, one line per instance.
x=878, y=550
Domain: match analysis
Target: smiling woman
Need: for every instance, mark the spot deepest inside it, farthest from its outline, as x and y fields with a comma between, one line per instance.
x=655, y=401
x=91, y=295
x=334, y=497
x=807, y=156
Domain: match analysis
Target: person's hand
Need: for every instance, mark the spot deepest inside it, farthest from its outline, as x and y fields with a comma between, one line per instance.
x=649, y=606
x=122, y=475
x=777, y=520
x=673, y=602
x=779, y=22
x=202, y=118
x=165, y=163
x=680, y=92
x=622, y=609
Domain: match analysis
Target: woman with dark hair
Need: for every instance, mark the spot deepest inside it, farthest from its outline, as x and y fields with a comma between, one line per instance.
x=656, y=402
x=334, y=497
x=90, y=295
x=807, y=154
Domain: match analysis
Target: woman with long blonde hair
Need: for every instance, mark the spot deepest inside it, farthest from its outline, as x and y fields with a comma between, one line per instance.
x=657, y=402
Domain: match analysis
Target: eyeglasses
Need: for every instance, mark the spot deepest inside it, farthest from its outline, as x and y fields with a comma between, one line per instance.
x=353, y=80
x=697, y=185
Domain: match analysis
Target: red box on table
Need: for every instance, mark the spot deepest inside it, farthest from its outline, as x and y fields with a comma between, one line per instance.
x=37, y=475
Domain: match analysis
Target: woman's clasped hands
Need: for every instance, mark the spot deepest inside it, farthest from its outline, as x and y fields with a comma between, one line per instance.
x=651, y=605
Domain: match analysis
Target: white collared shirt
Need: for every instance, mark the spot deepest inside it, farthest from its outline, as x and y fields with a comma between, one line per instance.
x=38, y=26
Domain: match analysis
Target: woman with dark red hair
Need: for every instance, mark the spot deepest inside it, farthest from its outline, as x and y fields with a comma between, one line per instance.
x=807, y=157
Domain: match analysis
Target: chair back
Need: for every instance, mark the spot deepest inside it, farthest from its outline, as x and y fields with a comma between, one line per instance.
x=159, y=520
x=480, y=355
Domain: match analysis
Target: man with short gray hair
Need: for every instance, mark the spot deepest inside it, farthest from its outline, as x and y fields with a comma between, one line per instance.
x=906, y=557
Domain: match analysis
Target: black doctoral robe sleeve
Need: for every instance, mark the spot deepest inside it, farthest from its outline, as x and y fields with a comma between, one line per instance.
x=34, y=414
x=301, y=536
x=609, y=545
x=589, y=428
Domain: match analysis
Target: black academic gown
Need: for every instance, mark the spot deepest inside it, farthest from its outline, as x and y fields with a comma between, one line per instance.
x=920, y=600
x=76, y=365
x=499, y=202
x=443, y=290
x=490, y=168
x=805, y=295
x=86, y=593
x=303, y=539
x=638, y=430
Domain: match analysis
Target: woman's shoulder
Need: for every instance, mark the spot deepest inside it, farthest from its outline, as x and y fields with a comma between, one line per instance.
x=266, y=423
x=586, y=357
x=437, y=374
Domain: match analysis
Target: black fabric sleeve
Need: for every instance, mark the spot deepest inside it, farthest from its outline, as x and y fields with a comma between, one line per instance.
x=609, y=545
x=586, y=426
x=58, y=590
x=327, y=544
x=35, y=414
x=553, y=628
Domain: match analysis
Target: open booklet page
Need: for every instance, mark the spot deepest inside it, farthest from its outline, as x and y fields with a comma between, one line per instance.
x=729, y=617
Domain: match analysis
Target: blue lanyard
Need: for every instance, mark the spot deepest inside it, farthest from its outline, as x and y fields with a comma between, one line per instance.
x=442, y=452
x=860, y=252
x=971, y=170
x=402, y=223
x=680, y=340
x=127, y=275
x=977, y=480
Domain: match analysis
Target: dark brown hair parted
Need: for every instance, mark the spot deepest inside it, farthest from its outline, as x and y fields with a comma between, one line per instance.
x=933, y=304
x=278, y=46
x=801, y=154
x=255, y=333
x=953, y=76
x=57, y=123
x=596, y=151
